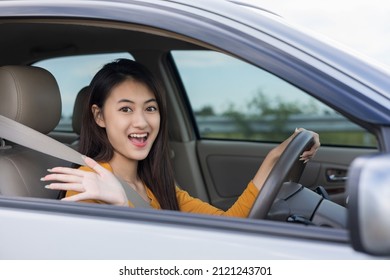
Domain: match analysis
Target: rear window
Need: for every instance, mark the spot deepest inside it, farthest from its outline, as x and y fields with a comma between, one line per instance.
x=72, y=74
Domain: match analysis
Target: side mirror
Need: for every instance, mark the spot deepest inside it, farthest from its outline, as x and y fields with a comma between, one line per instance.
x=368, y=189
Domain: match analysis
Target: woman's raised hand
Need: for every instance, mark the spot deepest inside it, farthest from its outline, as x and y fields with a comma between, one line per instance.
x=99, y=185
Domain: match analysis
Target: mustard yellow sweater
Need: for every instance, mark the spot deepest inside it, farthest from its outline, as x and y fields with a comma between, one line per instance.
x=190, y=204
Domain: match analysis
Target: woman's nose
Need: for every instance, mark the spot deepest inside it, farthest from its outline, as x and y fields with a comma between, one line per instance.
x=139, y=119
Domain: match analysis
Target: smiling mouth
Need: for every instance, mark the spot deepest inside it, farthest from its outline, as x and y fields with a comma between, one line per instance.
x=138, y=139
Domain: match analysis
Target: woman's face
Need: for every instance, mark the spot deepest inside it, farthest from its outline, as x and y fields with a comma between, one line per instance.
x=131, y=118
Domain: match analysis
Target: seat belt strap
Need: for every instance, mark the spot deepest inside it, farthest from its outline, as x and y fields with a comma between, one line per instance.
x=133, y=196
x=30, y=138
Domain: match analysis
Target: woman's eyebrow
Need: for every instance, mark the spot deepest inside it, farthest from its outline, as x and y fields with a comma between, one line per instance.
x=151, y=100
x=124, y=100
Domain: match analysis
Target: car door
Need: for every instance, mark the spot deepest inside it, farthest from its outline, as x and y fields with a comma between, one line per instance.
x=240, y=112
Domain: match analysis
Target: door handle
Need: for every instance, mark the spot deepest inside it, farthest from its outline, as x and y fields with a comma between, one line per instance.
x=336, y=175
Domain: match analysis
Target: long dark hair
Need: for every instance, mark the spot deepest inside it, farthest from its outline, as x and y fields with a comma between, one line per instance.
x=155, y=170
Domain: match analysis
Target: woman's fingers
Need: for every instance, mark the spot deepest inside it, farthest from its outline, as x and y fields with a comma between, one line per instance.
x=64, y=174
x=66, y=178
x=66, y=187
x=71, y=175
x=95, y=166
x=66, y=170
x=99, y=185
x=309, y=154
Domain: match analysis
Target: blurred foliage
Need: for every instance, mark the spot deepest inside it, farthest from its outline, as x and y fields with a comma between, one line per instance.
x=279, y=112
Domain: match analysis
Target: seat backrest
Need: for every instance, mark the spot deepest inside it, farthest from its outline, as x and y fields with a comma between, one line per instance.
x=78, y=109
x=29, y=95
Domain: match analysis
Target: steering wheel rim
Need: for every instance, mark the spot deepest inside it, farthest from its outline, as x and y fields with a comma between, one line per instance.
x=287, y=168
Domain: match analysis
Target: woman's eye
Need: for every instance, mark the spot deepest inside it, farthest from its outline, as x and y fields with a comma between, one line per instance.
x=125, y=109
x=151, y=109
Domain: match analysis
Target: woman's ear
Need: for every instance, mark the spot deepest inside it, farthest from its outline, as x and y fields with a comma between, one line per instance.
x=98, y=115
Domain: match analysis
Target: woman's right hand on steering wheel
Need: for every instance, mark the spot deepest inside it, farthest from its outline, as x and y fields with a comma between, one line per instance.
x=276, y=152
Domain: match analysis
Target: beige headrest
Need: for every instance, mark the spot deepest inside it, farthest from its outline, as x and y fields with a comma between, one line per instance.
x=78, y=108
x=30, y=95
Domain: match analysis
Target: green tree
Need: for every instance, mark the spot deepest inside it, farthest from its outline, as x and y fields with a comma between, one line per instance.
x=240, y=119
x=205, y=111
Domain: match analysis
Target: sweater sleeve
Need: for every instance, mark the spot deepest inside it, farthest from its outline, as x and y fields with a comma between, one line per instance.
x=240, y=208
x=190, y=204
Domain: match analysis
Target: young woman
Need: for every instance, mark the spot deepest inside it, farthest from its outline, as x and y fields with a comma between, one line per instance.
x=124, y=130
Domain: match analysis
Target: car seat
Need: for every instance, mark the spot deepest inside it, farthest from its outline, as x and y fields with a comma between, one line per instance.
x=29, y=95
x=78, y=108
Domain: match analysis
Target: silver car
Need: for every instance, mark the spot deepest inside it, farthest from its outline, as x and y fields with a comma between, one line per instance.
x=239, y=79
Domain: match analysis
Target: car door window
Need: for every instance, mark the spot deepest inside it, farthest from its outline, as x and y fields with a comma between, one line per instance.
x=232, y=99
x=72, y=74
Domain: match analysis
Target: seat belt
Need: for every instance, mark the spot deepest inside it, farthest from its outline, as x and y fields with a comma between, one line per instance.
x=30, y=138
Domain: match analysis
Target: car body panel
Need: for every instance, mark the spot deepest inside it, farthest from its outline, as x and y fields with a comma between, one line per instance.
x=80, y=232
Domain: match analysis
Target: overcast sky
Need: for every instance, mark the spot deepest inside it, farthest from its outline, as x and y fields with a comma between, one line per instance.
x=361, y=25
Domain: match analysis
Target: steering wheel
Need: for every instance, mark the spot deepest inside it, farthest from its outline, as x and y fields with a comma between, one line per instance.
x=287, y=168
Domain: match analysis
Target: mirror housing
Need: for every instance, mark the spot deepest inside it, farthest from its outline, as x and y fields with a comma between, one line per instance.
x=368, y=189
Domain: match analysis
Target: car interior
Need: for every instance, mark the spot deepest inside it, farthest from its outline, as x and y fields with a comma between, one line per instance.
x=211, y=165
x=29, y=96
